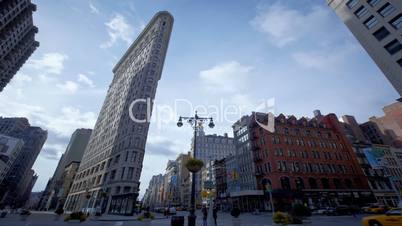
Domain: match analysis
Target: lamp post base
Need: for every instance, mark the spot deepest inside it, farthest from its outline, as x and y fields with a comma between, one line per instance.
x=192, y=218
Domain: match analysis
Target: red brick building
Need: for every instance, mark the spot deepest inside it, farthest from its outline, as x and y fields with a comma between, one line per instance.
x=307, y=160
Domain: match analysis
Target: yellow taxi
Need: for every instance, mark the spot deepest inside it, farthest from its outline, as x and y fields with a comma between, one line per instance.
x=377, y=209
x=391, y=218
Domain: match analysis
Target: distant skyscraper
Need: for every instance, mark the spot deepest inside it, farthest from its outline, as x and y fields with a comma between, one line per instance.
x=391, y=123
x=377, y=25
x=17, y=34
x=112, y=162
x=153, y=196
x=352, y=129
x=74, y=152
x=9, y=149
x=14, y=185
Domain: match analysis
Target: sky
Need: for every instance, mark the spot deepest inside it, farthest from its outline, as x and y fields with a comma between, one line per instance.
x=225, y=59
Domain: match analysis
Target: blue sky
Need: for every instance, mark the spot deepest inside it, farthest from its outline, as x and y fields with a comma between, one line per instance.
x=238, y=53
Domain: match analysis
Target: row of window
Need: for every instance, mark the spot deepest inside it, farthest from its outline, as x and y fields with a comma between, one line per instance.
x=352, y=3
x=313, y=183
x=386, y=10
x=284, y=166
x=101, y=179
x=132, y=157
x=304, y=154
x=301, y=132
x=301, y=142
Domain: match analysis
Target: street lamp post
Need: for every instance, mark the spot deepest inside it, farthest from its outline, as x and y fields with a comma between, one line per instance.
x=196, y=122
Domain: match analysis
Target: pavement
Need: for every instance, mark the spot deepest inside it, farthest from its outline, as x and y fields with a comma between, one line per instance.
x=224, y=219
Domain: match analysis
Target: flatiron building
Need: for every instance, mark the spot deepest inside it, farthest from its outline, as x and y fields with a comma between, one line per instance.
x=109, y=173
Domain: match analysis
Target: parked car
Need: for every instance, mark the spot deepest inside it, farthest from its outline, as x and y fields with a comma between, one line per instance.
x=391, y=218
x=172, y=211
x=330, y=211
x=340, y=210
x=159, y=209
x=90, y=211
x=344, y=210
x=322, y=210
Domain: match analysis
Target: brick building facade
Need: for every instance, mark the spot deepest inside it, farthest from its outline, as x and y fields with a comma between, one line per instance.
x=306, y=160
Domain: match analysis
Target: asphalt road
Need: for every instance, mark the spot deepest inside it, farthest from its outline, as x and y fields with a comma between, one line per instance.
x=224, y=219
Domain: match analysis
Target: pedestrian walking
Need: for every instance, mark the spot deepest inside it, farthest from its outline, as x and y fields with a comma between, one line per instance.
x=204, y=215
x=215, y=214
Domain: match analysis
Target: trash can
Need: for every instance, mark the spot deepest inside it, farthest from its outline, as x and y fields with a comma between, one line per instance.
x=177, y=221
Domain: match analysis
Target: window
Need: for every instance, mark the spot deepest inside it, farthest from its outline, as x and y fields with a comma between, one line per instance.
x=381, y=33
x=393, y=47
x=299, y=183
x=130, y=173
x=352, y=3
x=122, y=173
x=113, y=175
x=348, y=184
x=373, y=2
x=313, y=183
x=396, y=22
x=386, y=10
x=400, y=62
x=285, y=183
x=361, y=12
x=325, y=183
x=338, y=184
x=117, y=159
x=394, y=212
x=370, y=22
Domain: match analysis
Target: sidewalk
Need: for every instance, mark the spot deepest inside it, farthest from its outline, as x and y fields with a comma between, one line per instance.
x=222, y=217
x=112, y=217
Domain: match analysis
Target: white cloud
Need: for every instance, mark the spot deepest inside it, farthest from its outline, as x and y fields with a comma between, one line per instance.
x=21, y=78
x=53, y=150
x=69, y=120
x=20, y=93
x=283, y=25
x=50, y=63
x=15, y=109
x=118, y=29
x=85, y=80
x=227, y=77
x=325, y=59
x=68, y=86
x=93, y=8
x=62, y=123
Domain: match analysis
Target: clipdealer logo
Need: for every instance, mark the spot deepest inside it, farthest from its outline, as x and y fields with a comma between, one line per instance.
x=223, y=112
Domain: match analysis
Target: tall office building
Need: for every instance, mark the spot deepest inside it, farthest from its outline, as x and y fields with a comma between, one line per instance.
x=74, y=152
x=14, y=185
x=241, y=181
x=17, y=34
x=110, y=170
x=213, y=147
x=377, y=25
x=209, y=148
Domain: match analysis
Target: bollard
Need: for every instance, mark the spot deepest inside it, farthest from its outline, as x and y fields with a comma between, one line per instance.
x=177, y=221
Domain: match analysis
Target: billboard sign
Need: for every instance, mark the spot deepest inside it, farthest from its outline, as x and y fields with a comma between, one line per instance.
x=374, y=157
